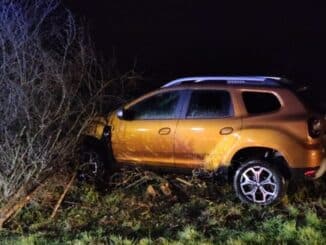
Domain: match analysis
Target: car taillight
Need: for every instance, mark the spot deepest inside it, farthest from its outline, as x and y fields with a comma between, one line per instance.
x=315, y=127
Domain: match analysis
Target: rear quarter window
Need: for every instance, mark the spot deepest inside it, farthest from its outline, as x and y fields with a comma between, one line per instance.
x=260, y=102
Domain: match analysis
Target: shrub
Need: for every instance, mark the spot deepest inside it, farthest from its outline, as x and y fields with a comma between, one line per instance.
x=47, y=90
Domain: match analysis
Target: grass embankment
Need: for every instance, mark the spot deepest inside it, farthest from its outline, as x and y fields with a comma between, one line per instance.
x=143, y=207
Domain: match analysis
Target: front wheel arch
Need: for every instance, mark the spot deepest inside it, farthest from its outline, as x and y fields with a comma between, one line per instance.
x=89, y=146
x=89, y=142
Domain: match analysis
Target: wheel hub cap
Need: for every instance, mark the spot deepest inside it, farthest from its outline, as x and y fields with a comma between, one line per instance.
x=258, y=184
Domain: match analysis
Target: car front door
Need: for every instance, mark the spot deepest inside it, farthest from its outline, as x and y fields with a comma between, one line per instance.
x=148, y=137
x=206, y=129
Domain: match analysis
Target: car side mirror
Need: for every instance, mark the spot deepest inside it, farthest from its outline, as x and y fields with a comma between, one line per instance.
x=125, y=114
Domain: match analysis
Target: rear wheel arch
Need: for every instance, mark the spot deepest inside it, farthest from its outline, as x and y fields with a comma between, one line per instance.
x=274, y=157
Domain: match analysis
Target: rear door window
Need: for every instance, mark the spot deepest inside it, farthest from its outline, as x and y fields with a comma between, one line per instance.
x=209, y=104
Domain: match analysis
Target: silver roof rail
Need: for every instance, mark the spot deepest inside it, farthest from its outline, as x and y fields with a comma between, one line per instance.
x=251, y=80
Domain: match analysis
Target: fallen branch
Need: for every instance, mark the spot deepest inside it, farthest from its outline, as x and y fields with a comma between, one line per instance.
x=183, y=181
x=57, y=206
x=137, y=182
x=17, y=203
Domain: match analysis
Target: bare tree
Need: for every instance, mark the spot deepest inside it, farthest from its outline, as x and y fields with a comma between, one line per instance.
x=47, y=90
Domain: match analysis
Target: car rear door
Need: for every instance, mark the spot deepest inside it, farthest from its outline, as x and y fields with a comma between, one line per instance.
x=206, y=129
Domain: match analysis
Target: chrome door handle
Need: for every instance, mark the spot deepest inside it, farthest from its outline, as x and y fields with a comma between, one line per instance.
x=164, y=131
x=226, y=130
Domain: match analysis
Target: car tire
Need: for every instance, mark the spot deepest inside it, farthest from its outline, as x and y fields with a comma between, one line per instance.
x=257, y=182
x=92, y=167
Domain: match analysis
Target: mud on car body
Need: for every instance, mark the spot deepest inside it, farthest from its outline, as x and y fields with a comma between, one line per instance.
x=254, y=127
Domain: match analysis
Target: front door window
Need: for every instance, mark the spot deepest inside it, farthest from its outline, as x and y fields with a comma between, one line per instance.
x=159, y=106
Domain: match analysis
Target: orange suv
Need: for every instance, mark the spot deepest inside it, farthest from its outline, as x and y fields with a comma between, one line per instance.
x=254, y=130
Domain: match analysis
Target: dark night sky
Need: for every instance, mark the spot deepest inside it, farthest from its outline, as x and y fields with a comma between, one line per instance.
x=186, y=37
